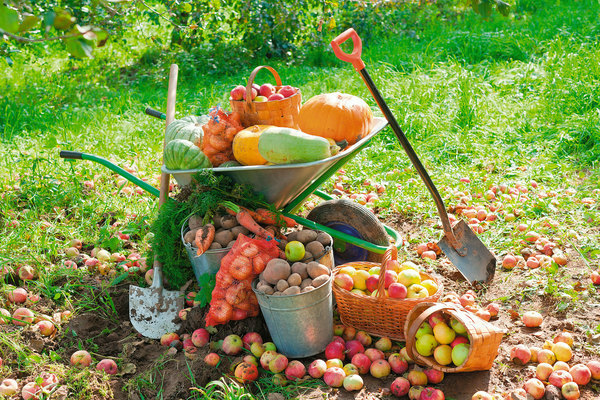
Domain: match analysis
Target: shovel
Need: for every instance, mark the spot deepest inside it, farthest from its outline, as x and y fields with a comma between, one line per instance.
x=152, y=310
x=460, y=244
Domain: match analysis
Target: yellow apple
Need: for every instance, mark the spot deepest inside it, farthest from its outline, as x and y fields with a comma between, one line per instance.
x=430, y=285
x=443, y=354
x=409, y=277
x=417, y=291
x=360, y=278
x=358, y=291
x=408, y=265
x=348, y=271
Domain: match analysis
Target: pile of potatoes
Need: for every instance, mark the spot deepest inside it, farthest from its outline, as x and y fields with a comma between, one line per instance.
x=281, y=279
x=314, y=243
x=227, y=230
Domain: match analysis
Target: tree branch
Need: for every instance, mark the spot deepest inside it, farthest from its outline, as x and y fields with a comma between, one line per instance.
x=28, y=40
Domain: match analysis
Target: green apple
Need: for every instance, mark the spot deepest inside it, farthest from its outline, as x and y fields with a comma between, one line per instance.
x=426, y=344
x=458, y=326
x=443, y=333
x=443, y=354
x=425, y=328
x=416, y=291
x=294, y=251
x=374, y=270
x=260, y=99
x=269, y=346
x=409, y=277
x=460, y=352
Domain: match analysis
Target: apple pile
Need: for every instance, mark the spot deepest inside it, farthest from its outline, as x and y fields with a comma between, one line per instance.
x=262, y=93
x=468, y=301
x=553, y=373
x=445, y=338
x=400, y=281
x=370, y=195
x=83, y=359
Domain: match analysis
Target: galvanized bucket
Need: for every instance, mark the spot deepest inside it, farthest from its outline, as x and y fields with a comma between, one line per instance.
x=300, y=325
x=207, y=263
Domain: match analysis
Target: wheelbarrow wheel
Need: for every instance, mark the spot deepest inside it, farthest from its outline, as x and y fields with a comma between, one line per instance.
x=351, y=218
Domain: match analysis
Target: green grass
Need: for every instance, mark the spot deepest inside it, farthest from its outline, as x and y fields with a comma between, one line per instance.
x=498, y=101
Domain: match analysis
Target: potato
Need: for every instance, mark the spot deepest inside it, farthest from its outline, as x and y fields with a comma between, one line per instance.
x=217, y=220
x=236, y=230
x=277, y=293
x=308, y=257
x=292, y=236
x=230, y=244
x=306, y=236
x=295, y=279
x=315, y=269
x=224, y=237
x=315, y=248
x=275, y=270
x=307, y=289
x=195, y=222
x=215, y=245
x=282, y=243
x=228, y=221
x=266, y=289
x=300, y=268
x=291, y=290
x=324, y=239
x=305, y=283
x=319, y=280
x=282, y=285
x=190, y=236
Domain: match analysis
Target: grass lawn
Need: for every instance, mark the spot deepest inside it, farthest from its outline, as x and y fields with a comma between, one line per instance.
x=498, y=102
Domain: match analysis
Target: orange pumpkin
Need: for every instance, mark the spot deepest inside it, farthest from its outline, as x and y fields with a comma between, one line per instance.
x=338, y=116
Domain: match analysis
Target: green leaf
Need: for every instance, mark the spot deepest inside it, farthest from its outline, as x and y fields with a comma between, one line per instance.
x=186, y=7
x=28, y=22
x=9, y=61
x=49, y=19
x=79, y=48
x=119, y=279
x=503, y=8
x=63, y=20
x=9, y=19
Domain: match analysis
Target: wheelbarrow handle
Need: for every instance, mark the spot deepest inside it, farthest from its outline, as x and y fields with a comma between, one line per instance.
x=354, y=56
x=71, y=155
x=155, y=113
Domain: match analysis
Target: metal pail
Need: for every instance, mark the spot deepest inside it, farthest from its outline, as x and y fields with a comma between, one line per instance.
x=209, y=262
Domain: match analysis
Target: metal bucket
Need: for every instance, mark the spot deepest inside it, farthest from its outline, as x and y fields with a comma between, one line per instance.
x=207, y=263
x=300, y=325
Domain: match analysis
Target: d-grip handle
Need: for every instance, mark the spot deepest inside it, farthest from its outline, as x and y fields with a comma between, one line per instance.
x=354, y=56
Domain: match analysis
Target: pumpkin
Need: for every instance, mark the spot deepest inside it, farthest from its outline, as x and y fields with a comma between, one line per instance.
x=245, y=145
x=183, y=154
x=188, y=128
x=338, y=116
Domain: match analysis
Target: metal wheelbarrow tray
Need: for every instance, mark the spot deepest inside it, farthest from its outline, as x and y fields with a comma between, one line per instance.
x=286, y=185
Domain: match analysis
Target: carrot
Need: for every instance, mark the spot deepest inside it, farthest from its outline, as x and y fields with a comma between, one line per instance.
x=246, y=220
x=271, y=218
x=204, y=238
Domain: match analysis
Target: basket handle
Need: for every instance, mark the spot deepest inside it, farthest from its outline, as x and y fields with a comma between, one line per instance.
x=251, y=81
x=414, y=326
x=390, y=254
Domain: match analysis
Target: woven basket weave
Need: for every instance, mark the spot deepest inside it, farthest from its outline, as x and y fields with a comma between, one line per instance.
x=275, y=112
x=380, y=315
x=484, y=337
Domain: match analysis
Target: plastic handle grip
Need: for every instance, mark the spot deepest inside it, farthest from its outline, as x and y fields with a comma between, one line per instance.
x=353, y=57
x=73, y=155
x=155, y=113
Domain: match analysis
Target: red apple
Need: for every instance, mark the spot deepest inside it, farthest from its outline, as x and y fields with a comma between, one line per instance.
x=232, y=345
x=581, y=374
x=295, y=370
x=353, y=347
x=559, y=378
x=520, y=354
x=246, y=372
x=374, y=354
x=200, y=337
x=398, y=364
x=334, y=377
x=18, y=295
x=251, y=337
x=543, y=371
x=317, y=369
x=417, y=378
x=212, y=359
x=349, y=333
x=45, y=327
x=81, y=359
x=253, y=91
x=168, y=338
x=430, y=393
x=532, y=319
x=535, y=388
x=364, y=338
x=237, y=93
x=266, y=90
x=380, y=368
x=481, y=395
x=287, y=91
x=594, y=367
x=22, y=316
x=344, y=281
x=9, y=387
x=335, y=350
x=275, y=96
x=31, y=391
x=595, y=277
x=389, y=278
x=278, y=364
x=400, y=387
x=362, y=362
x=108, y=366
x=397, y=291
x=434, y=376
x=372, y=282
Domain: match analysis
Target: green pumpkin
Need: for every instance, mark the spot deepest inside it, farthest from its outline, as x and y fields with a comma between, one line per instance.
x=183, y=154
x=188, y=128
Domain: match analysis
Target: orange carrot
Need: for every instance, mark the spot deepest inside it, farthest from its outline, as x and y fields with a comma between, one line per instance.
x=271, y=218
x=204, y=238
x=246, y=220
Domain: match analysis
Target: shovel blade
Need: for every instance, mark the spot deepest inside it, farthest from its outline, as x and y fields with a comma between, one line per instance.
x=478, y=264
x=152, y=310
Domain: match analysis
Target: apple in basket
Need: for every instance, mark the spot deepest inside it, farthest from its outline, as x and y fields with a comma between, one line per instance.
x=416, y=291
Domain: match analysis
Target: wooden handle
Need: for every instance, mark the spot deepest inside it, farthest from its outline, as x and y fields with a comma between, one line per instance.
x=251, y=81
x=390, y=254
x=171, y=94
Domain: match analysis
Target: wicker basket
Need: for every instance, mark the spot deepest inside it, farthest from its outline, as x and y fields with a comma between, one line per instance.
x=275, y=112
x=380, y=315
x=484, y=337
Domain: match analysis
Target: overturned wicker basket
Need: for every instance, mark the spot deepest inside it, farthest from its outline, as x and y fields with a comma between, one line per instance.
x=380, y=315
x=275, y=112
x=484, y=337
